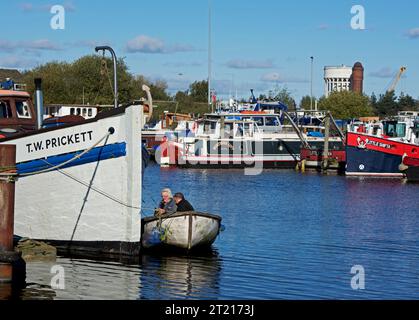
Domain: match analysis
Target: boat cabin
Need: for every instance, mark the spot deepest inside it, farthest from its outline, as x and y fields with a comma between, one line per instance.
x=17, y=113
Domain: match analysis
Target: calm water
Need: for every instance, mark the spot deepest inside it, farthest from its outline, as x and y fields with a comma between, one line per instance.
x=288, y=236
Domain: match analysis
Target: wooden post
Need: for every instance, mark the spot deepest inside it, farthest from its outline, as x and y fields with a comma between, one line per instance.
x=7, y=204
x=325, y=162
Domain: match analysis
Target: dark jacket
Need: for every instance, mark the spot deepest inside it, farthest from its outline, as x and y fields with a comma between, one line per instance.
x=184, y=206
x=170, y=207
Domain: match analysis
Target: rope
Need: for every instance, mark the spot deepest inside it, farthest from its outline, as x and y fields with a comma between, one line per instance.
x=103, y=193
x=78, y=156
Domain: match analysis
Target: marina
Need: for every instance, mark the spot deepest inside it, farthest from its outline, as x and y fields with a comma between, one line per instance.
x=130, y=172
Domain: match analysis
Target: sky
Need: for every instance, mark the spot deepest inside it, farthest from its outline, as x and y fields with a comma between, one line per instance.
x=260, y=45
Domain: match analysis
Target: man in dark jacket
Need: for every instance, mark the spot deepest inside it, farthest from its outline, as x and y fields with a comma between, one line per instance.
x=183, y=205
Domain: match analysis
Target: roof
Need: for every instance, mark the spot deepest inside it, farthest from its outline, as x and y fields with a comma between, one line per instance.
x=10, y=73
x=12, y=93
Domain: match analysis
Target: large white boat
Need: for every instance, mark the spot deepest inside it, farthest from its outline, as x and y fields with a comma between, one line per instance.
x=243, y=140
x=78, y=185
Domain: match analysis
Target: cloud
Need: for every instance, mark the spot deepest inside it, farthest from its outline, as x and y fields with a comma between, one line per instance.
x=88, y=43
x=271, y=77
x=26, y=7
x=250, y=64
x=385, y=72
x=29, y=7
x=276, y=77
x=29, y=46
x=16, y=62
x=146, y=44
x=183, y=64
x=323, y=26
x=7, y=46
x=42, y=44
x=413, y=33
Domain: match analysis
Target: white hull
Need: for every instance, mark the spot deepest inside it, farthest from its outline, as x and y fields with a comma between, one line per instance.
x=185, y=230
x=93, y=202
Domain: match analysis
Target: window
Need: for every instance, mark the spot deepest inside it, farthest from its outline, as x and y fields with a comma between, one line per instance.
x=89, y=113
x=5, y=110
x=401, y=130
x=271, y=121
x=72, y=111
x=258, y=120
x=22, y=110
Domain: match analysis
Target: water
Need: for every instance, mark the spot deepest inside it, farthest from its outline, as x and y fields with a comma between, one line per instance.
x=288, y=236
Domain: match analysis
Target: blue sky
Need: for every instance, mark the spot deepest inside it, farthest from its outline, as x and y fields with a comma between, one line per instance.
x=256, y=44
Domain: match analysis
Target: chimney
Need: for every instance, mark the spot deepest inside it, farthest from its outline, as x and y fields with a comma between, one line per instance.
x=39, y=100
x=357, y=78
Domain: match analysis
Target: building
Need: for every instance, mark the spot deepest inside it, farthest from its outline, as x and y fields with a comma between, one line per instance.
x=343, y=78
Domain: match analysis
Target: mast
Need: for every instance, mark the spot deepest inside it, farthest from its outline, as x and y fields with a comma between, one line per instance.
x=209, y=56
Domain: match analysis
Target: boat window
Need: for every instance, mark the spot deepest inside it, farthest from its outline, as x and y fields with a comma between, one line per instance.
x=78, y=111
x=84, y=112
x=271, y=121
x=22, y=110
x=72, y=111
x=258, y=120
x=390, y=129
x=89, y=113
x=5, y=110
x=401, y=130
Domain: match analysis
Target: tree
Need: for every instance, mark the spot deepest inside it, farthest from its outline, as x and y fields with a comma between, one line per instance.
x=199, y=91
x=305, y=103
x=284, y=96
x=91, y=78
x=406, y=103
x=387, y=104
x=346, y=105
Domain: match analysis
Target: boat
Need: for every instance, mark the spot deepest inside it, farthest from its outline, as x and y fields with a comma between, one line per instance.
x=79, y=184
x=182, y=230
x=410, y=167
x=378, y=148
x=314, y=156
x=248, y=139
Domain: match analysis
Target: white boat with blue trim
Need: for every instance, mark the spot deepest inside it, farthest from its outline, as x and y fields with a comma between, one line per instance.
x=78, y=185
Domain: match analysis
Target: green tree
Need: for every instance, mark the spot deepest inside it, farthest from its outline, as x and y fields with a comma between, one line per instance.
x=406, y=103
x=283, y=95
x=305, y=103
x=387, y=104
x=199, y=91
x=346, y=105
x=91, y=78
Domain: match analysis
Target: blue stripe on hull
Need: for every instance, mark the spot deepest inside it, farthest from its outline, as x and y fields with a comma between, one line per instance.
x=100, y=153
x=369, y=161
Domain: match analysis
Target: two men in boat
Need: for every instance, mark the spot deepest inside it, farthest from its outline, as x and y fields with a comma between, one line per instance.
x=171, y=204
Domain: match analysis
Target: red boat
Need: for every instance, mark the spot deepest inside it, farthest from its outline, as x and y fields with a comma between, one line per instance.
x=411, y=168
x=378, y=149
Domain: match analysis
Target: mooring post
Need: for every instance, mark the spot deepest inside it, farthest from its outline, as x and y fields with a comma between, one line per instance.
x=9, y=259
x=325, y=162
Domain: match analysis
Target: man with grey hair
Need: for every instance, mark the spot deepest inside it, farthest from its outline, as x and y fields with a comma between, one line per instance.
x=167, y=205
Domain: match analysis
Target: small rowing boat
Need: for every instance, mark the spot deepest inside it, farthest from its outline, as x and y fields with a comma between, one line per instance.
x=182, y=230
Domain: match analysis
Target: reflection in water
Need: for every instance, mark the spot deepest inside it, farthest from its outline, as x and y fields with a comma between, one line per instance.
x=288, y=236
x=180, y=277
x=156, y=277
